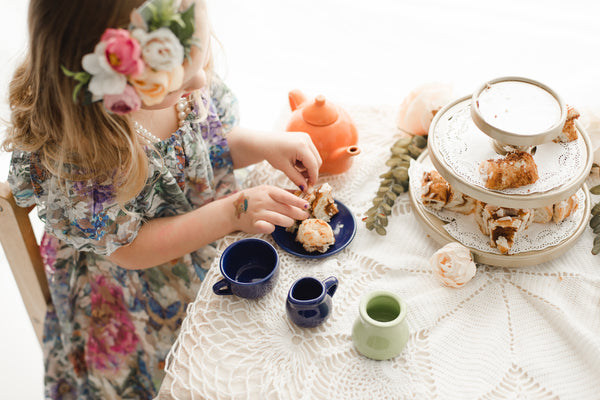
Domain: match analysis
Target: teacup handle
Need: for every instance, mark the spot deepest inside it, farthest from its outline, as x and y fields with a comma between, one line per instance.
x=222, y=288
x=331, y=285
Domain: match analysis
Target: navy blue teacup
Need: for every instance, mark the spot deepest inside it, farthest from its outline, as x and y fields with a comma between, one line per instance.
x=249, y=268
x=309, y=301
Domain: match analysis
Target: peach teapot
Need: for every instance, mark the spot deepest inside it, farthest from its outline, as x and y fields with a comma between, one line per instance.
x=330, y=127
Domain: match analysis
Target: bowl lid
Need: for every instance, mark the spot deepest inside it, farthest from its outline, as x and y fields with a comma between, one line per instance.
x=518, y=111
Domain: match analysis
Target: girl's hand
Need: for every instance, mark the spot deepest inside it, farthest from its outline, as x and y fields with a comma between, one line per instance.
x=259, y=209
x=295, y=154
x=291, y=152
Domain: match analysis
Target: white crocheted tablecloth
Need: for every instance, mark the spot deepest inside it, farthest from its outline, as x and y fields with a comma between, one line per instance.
x=526, y=333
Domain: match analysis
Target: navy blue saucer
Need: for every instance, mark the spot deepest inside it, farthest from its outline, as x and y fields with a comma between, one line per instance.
x=343, y=225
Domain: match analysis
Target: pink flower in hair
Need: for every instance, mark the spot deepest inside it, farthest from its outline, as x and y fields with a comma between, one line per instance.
x=123, y=103
x=123, y=53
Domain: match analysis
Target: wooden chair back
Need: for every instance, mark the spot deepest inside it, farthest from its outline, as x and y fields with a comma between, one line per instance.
x=23, y=255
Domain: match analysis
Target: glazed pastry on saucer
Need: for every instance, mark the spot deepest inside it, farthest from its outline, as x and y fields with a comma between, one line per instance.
x=323, y=206
x=315, y=235
x=320, y=204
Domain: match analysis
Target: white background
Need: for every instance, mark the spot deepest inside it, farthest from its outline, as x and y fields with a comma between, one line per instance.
x=353, y=52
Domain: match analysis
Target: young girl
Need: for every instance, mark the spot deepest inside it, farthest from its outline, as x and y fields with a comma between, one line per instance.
x=127, y=144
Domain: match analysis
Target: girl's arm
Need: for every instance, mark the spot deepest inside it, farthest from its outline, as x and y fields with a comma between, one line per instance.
x=291, y=152
x=254, y=210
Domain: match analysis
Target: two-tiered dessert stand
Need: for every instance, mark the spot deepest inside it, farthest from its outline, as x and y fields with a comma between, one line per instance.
x=503, y=113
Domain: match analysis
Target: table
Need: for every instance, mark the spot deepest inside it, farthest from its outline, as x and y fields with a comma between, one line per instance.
x=529, y=332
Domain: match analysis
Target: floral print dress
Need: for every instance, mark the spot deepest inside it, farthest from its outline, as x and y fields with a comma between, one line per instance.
x=109, y=329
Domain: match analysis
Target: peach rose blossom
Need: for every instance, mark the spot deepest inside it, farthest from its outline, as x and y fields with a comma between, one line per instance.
x=453, y=265
x=419, y=107
x=153, y=86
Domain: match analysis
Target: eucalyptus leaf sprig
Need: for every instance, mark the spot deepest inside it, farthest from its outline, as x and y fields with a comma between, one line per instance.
x=595, y=221
x=394, y=182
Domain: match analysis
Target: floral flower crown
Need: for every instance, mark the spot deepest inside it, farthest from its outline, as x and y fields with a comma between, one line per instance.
x=140, y=64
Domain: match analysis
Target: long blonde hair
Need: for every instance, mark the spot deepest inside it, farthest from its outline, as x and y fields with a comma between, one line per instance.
x=44, y=118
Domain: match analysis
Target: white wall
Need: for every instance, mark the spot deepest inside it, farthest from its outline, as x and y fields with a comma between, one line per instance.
x=366, y=52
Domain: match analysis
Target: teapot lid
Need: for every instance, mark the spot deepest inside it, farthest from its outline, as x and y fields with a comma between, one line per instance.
x=320, y=112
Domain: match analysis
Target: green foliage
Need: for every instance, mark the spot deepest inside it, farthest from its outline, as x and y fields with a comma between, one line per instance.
x=82, y=78
x=394, y=182
x=163, y=14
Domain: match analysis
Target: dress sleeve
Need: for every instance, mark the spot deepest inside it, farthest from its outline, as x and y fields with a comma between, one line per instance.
x=19, y=179
x=83, y=214
x=226, y=110
x=226, y=104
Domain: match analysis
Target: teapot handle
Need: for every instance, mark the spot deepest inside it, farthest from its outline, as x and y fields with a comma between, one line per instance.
x=296, y=98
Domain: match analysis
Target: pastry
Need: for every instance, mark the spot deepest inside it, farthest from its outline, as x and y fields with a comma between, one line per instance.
x=320, y=204
x=434, y=190
x=315, y=235
x=564, y=208
x=479, y=217
x=515, y=169
x=323, y=206
x=542, y=215
x=502, y=224
x=460, y=202
x=569, y=131
x=438, y=194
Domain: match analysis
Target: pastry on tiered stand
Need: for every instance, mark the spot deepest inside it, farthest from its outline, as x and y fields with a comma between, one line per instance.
x=514, y=155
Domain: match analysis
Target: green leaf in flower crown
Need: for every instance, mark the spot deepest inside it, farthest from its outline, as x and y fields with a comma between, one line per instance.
x=183, y=26
x=82, y=78
x=157, y=13
x=163, y=13
x=595, y=190
x=65, y=71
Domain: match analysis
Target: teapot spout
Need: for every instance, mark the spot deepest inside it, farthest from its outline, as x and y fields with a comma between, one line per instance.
x=349, y=151
x=297, y=98
x=340, y=160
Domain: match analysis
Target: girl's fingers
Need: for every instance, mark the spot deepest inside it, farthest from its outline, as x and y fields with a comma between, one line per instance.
x=274, y=218
x=299, y=177
x=288, y=199
x=264, y=227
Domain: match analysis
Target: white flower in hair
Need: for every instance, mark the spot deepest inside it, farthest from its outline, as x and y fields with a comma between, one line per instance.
x=161, y=49
x=104, y=80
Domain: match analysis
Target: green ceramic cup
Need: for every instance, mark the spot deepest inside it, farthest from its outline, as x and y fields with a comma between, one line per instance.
x=380, y=331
